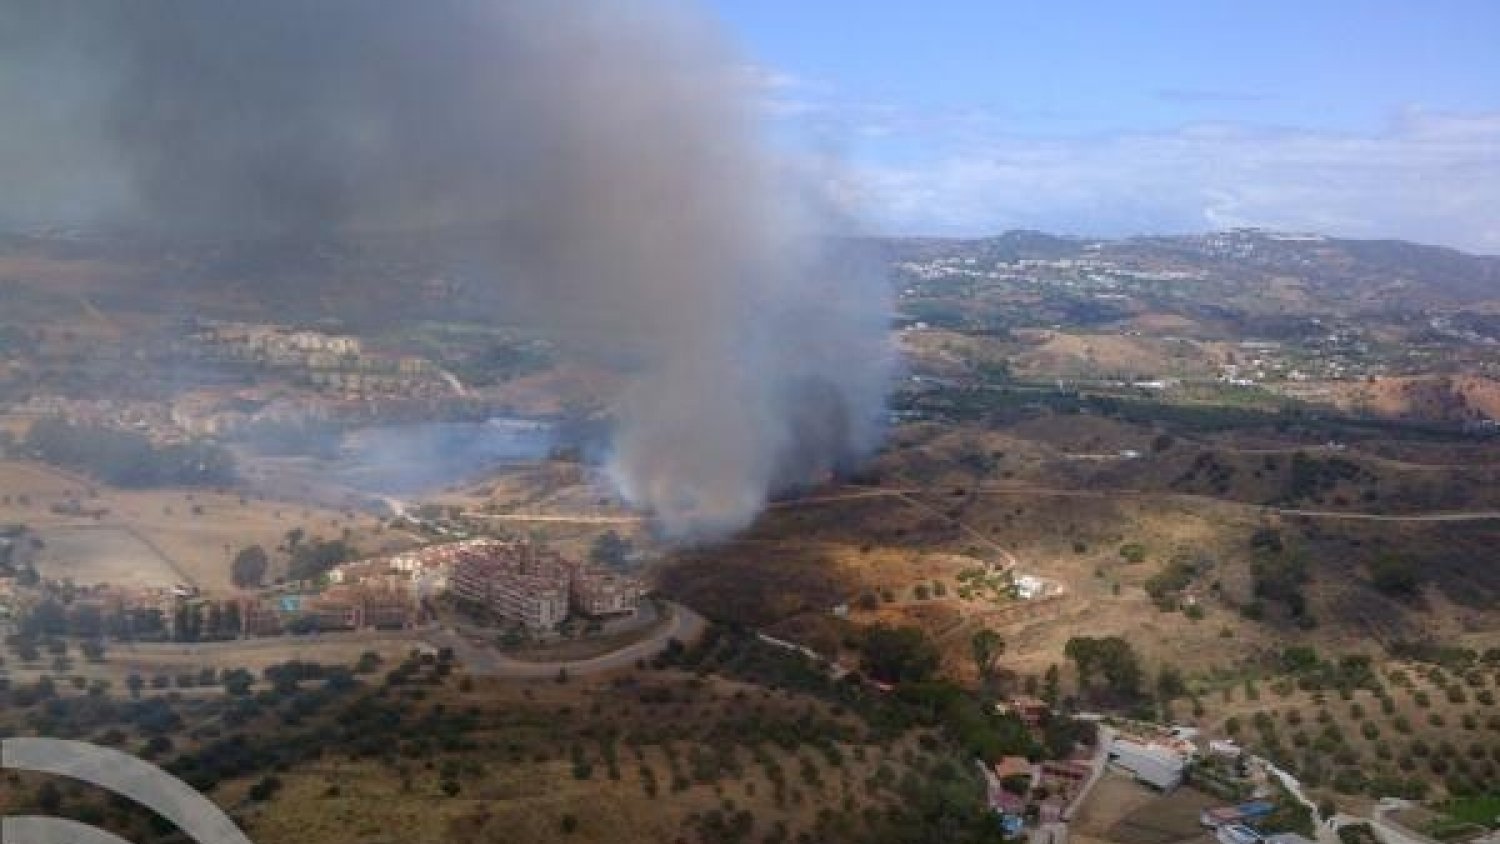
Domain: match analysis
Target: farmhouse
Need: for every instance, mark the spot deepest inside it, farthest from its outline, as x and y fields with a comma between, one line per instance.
x=1032, y=711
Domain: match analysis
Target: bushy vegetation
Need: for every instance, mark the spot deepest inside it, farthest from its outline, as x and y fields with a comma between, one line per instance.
x=1179, y=573
x=501, y=360
x=249, y=566
x=315, y=557
x=306, y=717
x=1108, y=668
x=1311, y=477
x=1395, y=575
x=1349, y=672
x=899, y=654
x=1279, y=578
x=127, y=458
x=57, y=616
x=1409, y=732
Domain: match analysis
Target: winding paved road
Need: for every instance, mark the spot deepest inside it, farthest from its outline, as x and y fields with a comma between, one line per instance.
x=484, y=660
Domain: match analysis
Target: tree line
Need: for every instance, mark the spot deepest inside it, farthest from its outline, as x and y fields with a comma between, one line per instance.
x=198, y=621
x=127, y=458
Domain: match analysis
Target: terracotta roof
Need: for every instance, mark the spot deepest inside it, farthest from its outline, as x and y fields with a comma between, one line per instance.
x=1013, y=766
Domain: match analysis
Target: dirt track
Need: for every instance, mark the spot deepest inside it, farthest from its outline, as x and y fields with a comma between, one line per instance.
x=906, y=495
x=1476, y=516
x=1472, y=516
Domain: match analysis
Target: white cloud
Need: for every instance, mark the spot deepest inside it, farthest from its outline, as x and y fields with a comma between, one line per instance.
x=1427, y=177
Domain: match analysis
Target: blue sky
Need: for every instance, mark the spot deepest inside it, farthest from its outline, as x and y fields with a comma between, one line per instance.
x=1356, y=118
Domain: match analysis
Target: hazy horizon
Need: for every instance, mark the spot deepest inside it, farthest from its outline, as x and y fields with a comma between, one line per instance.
x=975, y=119
x=1362, y=120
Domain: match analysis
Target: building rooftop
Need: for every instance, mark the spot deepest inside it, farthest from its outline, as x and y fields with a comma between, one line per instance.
x=1013, y=766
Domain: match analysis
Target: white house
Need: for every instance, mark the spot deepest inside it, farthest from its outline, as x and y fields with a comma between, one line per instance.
x=1030, y=587
x=1158, y=765
x=1226, y=748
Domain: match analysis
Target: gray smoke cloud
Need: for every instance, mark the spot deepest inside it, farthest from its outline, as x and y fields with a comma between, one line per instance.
x=610, y=152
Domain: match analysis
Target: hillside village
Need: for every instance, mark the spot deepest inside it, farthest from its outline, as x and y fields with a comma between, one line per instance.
x=494, y=581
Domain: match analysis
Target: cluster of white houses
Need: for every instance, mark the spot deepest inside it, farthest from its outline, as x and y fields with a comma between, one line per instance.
x=537, y=587
x=336, y=361
x=515, y=581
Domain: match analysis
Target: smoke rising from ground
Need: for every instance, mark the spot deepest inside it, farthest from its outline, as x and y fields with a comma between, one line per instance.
x=611, y=150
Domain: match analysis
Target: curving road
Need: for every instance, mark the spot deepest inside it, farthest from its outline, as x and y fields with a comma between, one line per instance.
x=484, y=660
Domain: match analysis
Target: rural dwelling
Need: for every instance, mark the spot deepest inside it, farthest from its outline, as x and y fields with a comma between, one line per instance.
x=1225, y=748
x=1029, y=587
x=1156, y=764
x=1013, y=766
x=1030, y=710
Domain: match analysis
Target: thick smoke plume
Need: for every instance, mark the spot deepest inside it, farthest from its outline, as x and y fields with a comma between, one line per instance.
x=610, y=151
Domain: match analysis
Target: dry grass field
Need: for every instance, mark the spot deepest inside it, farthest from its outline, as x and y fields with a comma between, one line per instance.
x=88, y=554
x=1454, y=399
x=801, y=561
x=1021, y=490
x=1115, y=797
x=158, y=537
x=1166, y=819
x=1061, y=355
x=40, y=483
x=1046, y=354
